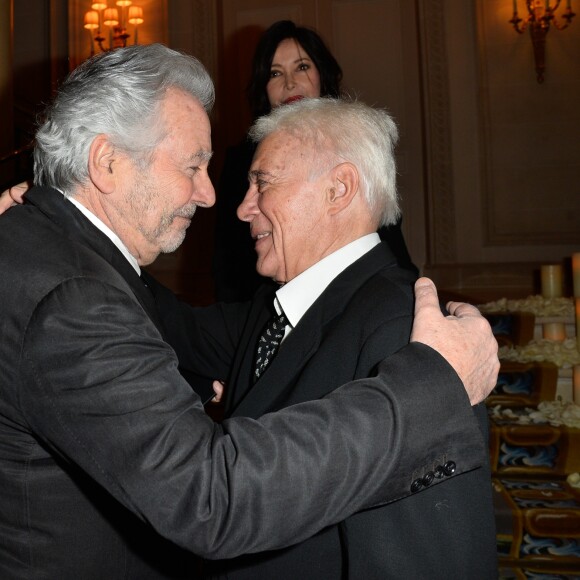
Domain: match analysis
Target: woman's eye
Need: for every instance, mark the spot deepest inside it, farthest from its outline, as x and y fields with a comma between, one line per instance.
x=274, y=73
x=304, y=66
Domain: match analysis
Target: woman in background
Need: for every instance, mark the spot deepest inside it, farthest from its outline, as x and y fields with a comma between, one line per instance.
x=290, y=63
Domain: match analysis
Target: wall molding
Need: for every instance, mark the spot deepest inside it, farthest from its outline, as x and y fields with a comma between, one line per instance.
x=437, y=115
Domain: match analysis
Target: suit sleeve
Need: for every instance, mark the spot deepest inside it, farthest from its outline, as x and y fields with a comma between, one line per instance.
x=204, y=339
x=103, y=392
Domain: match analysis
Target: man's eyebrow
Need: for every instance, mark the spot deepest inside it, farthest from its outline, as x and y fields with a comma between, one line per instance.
x=201, y=156
x=258, y=174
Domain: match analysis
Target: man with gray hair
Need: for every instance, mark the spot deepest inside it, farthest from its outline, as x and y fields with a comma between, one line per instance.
x=322, y=181
x=105, y=452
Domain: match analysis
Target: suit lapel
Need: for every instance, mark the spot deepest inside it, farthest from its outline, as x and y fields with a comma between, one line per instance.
x=271, y=389
x=242, y=366
x=80, y=230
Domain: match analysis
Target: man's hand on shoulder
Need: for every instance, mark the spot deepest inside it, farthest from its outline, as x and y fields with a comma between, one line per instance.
x=464, y=338
x=12, y=196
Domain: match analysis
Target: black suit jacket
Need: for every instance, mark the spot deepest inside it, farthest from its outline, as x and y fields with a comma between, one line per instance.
x=104, y=448
x=446, y=531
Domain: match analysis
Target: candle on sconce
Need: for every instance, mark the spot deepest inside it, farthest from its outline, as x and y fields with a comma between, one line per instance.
x=576, y=274
x=515, y=8
x=551, y=281
x=576, y=385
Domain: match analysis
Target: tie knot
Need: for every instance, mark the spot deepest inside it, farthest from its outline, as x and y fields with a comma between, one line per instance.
x=278, y=320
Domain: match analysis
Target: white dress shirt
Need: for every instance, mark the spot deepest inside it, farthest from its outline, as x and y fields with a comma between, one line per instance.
x=298, y=295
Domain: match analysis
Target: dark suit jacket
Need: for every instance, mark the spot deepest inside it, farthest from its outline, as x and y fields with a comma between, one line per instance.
x=101, y=439
x=446, y=531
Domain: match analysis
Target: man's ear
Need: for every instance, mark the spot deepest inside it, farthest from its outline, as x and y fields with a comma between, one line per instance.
x=345, y=185
x=102, y=161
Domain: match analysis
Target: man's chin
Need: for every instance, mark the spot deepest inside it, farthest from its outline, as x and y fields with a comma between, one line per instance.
x=172, y=244
x=274, y=276
x=265, y=272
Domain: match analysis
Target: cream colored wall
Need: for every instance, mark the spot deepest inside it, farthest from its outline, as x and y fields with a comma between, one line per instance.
x=513, y=152
x=531, y=133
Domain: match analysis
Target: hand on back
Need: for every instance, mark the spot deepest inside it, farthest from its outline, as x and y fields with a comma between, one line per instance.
x=463, y=337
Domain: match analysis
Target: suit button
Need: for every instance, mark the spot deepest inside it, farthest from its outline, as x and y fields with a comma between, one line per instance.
x=428, y=479
x=416, y=485
x=439, y=472
x=449, y=468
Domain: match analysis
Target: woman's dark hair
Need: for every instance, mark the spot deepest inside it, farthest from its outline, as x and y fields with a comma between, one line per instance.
x=328, y=68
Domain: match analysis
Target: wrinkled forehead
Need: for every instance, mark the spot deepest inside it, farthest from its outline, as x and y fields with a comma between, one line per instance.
x=288, y=157
x=287, y=149
x=278, y=145
x=293, y=139
x=184, y=123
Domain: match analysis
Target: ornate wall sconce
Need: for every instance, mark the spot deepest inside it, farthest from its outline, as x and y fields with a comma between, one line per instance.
x=101, y=15
x=541, y=15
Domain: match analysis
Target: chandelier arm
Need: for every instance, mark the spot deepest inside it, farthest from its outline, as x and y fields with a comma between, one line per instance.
x=568, y=17
x=515, y=22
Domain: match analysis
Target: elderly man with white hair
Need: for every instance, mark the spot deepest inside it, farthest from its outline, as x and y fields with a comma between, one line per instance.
x=322, y=181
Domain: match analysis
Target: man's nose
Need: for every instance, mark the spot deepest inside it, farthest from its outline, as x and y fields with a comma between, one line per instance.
x=248, y=209
x=205, y=193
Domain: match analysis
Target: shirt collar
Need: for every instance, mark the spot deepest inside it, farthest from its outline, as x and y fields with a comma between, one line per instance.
x=298, y=295
x=107, y=231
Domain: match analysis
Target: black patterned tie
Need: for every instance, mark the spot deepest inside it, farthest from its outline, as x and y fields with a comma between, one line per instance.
x=268, y=343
